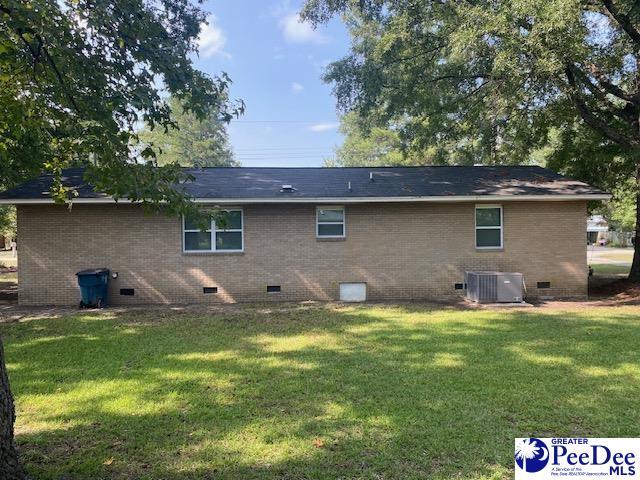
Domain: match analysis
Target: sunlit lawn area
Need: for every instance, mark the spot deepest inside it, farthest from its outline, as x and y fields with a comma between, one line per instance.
x=316, y=392
x=616, y=255
x=610, y=269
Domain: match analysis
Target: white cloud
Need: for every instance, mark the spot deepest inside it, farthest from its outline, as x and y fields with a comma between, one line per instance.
x=281, y=8
x=296, y=30
x=323, y=127
x=296, y=87
x=212, y=39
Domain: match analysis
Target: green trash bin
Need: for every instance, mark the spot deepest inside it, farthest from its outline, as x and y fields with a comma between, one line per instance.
x=93, y=284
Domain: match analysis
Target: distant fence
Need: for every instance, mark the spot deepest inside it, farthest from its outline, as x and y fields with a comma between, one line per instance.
x=618, y=239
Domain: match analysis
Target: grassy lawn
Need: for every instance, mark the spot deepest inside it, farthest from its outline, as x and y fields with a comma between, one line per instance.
x=316, y=392
x=615, y=255
x=610, y=269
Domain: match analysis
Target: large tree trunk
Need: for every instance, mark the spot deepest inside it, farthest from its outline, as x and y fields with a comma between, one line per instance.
x=10, y=468
x=634, y=274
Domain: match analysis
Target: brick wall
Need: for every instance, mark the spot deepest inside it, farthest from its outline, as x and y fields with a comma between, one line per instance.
x=402, y=251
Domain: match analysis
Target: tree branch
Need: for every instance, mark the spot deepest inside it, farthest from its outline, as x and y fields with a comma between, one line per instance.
x=629, y=113
x=612, y=88
x=593, y=120
x=36, y=57
x=623, y=20
x=413, y=57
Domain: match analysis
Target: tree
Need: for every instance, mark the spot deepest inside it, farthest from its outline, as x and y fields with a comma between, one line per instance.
x=621, y=210
x=10, y=466
x=193, y=143
x=7, y=222
x=77, y=77
x=491, y=80
x=366, y=145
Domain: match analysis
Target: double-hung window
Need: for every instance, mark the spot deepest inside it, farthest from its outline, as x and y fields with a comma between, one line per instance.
x=226, y=235
x=489, y=226
x=330, y=222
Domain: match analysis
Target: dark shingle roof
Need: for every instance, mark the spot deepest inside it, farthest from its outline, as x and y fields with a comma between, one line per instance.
x=328, y=183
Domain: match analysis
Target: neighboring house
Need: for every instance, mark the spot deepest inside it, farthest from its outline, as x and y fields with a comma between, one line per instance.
x=308, y=233
x=597, y=226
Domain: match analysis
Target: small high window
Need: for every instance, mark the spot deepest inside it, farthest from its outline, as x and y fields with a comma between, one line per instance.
x=226, y=236
x=489, y=226
x=330, y=222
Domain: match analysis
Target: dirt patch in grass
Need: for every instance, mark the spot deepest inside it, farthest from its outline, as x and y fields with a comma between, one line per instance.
x=620, y=290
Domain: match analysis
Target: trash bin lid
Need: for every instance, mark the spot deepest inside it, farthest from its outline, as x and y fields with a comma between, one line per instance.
x=92, y=271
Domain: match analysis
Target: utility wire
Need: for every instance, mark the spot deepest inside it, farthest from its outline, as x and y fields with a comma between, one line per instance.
x=308, y=122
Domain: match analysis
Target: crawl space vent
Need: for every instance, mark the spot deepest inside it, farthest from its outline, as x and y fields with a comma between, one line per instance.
x=353, y=292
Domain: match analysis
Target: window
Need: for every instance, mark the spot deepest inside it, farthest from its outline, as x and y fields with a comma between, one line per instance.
x=330, y=222
x=226, y=236
x=488, y=226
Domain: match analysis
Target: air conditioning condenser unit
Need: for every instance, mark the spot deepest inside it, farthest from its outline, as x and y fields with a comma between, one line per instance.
x=495, y=287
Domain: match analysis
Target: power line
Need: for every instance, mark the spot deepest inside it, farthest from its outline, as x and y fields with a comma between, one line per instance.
x=312, y=122
x=280, y=154
x=321, y=154
x=319, y=157
x=278, y=148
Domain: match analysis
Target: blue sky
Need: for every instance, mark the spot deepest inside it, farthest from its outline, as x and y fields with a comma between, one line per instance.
x=275, y=63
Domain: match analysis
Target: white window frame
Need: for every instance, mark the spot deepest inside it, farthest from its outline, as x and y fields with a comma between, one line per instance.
x=212, y=230
x=484, y=227
x=343, y=222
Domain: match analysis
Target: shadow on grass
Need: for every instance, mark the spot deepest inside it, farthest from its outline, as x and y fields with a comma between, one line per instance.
x=362, y=392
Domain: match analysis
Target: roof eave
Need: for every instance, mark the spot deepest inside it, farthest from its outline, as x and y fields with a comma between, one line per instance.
x=434, y=199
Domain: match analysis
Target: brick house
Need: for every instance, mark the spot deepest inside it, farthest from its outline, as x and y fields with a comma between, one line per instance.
x=311, y=233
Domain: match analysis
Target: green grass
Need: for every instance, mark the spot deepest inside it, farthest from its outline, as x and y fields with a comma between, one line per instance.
x=368, y=392
x=616, y=255
x=610, y=269
x=8, y=278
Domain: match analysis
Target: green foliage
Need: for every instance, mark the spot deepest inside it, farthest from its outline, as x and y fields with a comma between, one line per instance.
x=581, y=153
x=7, y=222
x=485, y=81
x=77, y=77
x=623, y=215
x=620, y=211
x=192, y=142
x=365, y=145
